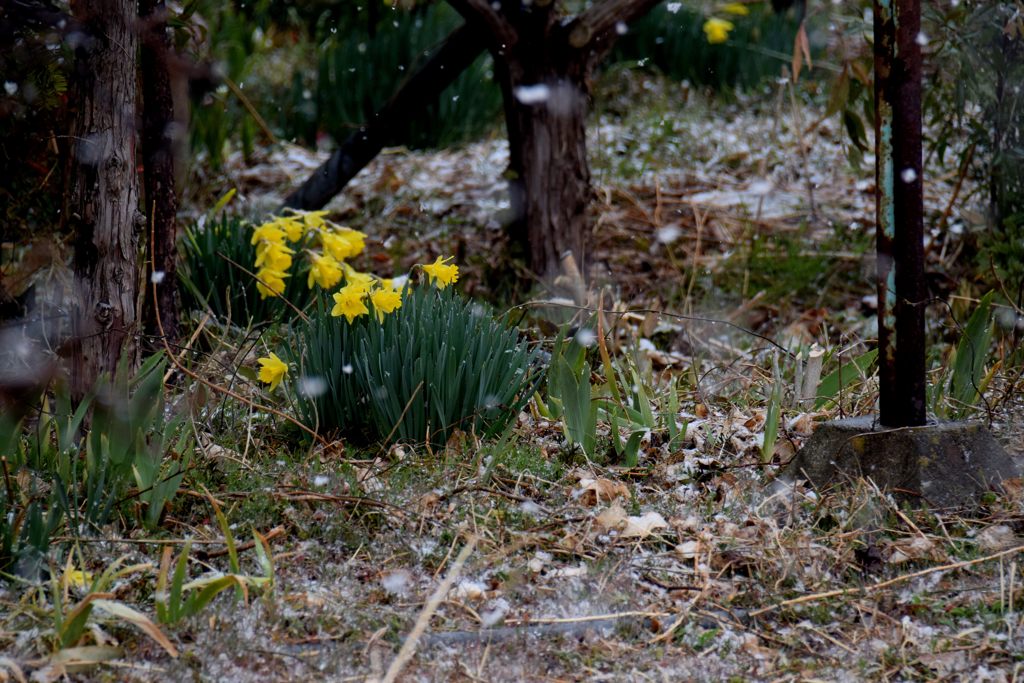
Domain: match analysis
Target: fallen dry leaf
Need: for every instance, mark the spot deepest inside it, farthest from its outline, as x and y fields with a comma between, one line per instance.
x=469, y=590
x=690, y=549
x=594, y=491
x=139, y=620
x=644, y=525
x=996, y=538
x=898, y=552
x=612, y=518
x=803, y=424
x=428, y=501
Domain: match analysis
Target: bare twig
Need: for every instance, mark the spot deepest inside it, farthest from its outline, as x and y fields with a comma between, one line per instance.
x=885, y=584
x=409, y=646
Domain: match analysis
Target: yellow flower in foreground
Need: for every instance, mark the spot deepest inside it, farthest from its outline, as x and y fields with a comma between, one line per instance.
x=717, y=30
x=348, y=301
x=274, y=256
x=354, y=277
x=292, y=227
x=270, y=282
x=324, y=271
x=737, y=8
x=313, y=219
x=343, y=243
x=272, y=370
x=268, y=232
x=442, y=274
x=384, y=301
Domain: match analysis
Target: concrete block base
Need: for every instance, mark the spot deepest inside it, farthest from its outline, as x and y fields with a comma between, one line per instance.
x=938, y=465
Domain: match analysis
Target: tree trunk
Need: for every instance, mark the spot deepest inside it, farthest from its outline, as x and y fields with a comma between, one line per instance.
x=550, y=177
x=161, y=206
x=104, y=191
x=543, y=62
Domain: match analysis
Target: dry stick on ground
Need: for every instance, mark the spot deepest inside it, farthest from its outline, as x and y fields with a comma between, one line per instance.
x=409, y=646
x=885, y=584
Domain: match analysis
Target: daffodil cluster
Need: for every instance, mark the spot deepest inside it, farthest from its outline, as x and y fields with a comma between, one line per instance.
x=328, y=247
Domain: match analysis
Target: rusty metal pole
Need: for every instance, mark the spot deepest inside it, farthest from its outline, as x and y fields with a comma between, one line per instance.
x=899, y=212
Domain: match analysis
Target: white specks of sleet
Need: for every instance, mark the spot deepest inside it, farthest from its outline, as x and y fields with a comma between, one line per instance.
x=621, y=28
x=667, y=234
x=92, y=150
x=674, y=7
x=528, y=507
x=586, y=337
x=157, y=277
x=532, y=94
x=495, y=614
x=320, y=480
x=10, y=87
x=312, y=386
x=908, y=175
x=347, y=368
x=396, y=582
x=922, y=39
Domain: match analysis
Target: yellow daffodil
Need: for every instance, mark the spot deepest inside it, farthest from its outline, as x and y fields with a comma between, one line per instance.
x=270, y=282
x=269, y=232
x=442, y=274
x=385, y=300
x=324, y=271
x=737, y=8
x=78, y=578
x=717, y=30
x=293, y=228
x=273, y=256
x=343, y=243
x=313, y=219
x=398, y=283
x=348, y=301
x=354, y=277
x=272, y=370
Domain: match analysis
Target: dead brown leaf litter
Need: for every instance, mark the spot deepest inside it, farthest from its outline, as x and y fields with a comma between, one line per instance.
x=695, y=565
x=689, y=565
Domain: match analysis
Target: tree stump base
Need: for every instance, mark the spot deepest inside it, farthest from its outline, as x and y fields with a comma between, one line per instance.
x=941, y=465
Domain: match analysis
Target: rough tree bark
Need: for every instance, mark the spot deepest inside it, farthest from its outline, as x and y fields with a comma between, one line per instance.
x=104, y=190
x=544, y=64
x=161, y=199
